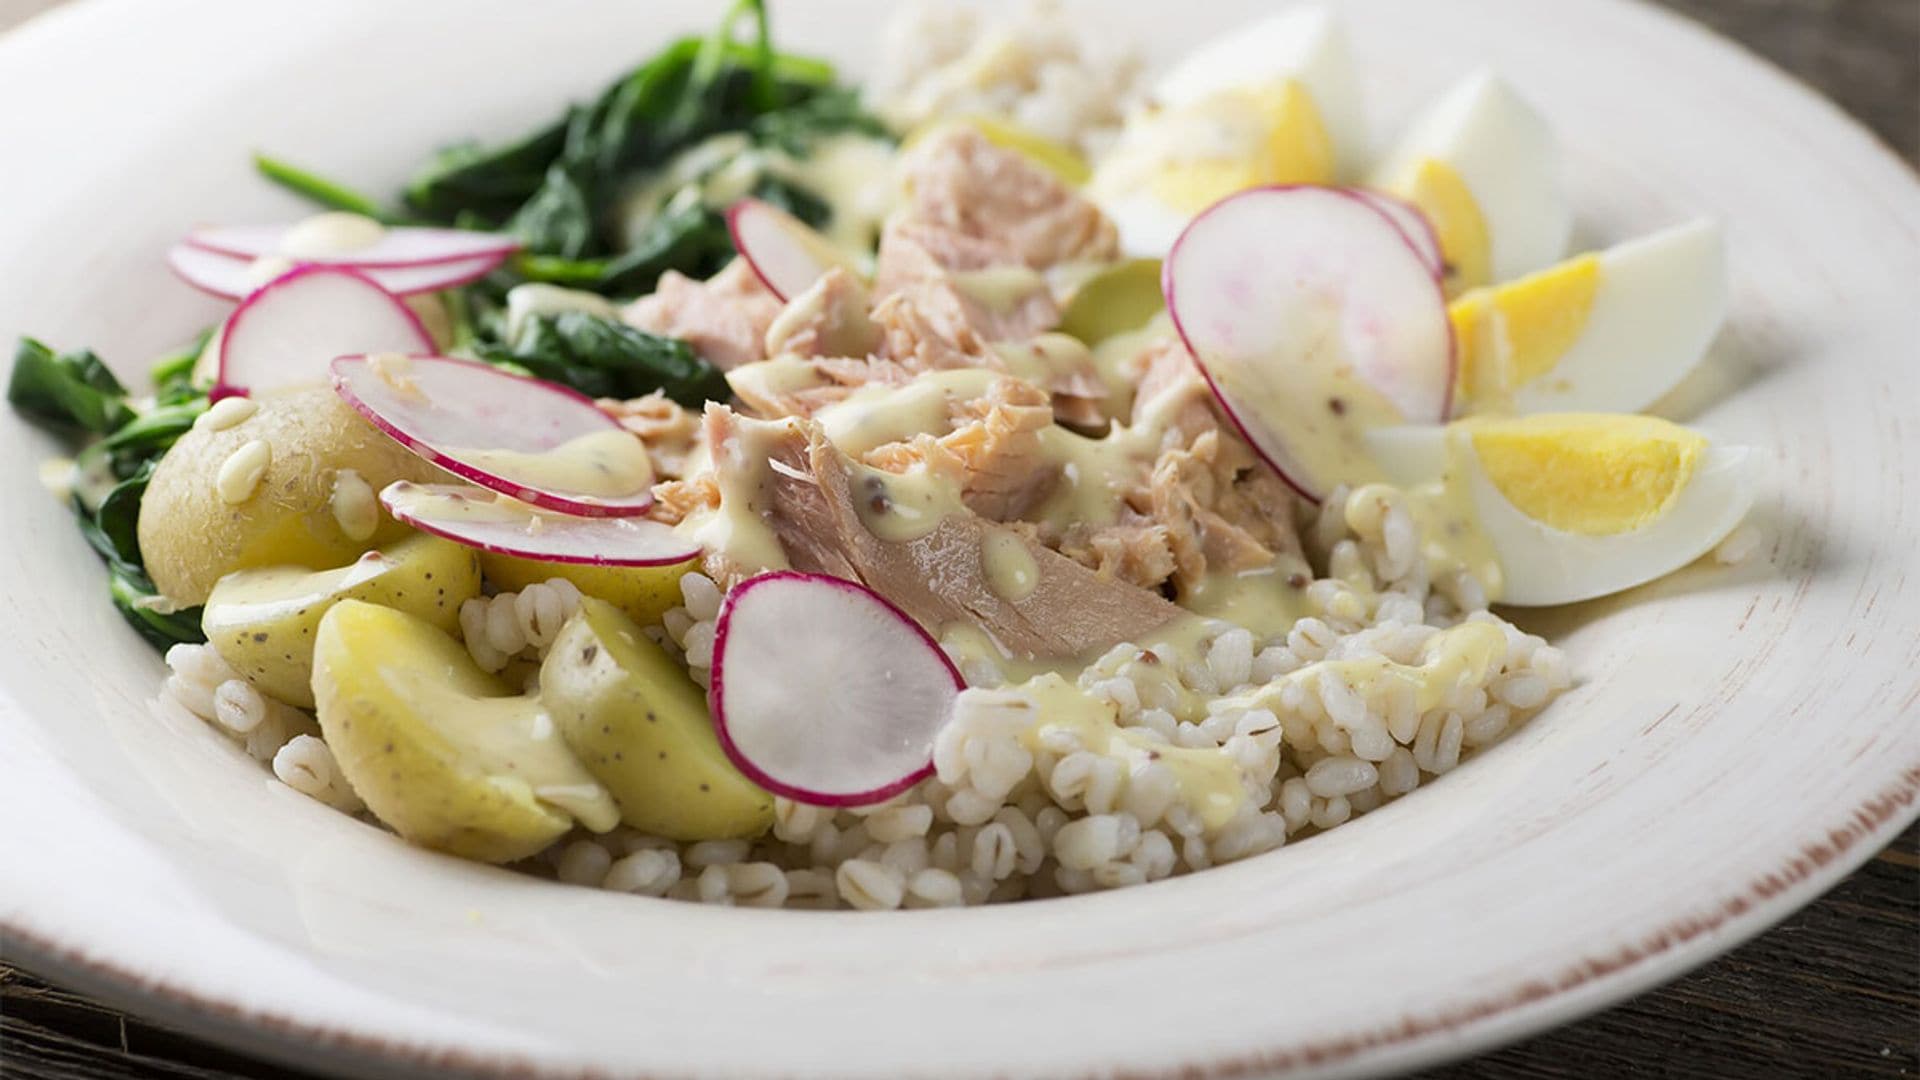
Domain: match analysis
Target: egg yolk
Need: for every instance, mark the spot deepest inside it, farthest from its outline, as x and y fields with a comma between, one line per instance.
x=1588, y=473
x=1440, y=193
x=1512, y=334
x=1242, y=138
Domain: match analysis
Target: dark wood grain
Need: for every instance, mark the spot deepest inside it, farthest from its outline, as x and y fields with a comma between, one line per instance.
x=1832, y=992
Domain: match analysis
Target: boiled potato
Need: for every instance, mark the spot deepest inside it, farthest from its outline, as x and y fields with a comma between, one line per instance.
x=262, y=621
x=641, y=727
x=191, y=534
x=643, y=592
x=436, y=748
x=431, y=309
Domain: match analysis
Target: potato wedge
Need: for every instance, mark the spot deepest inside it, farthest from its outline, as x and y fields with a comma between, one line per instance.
x=644, y=592
x=192, y=534
x=262, y=621
x=436, y=748
x=640, y=725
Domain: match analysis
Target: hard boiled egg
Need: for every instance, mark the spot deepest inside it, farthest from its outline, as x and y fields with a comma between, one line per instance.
x=1273, y=103
x=1484, y=168
x=1564, y=507
x=1605, y=332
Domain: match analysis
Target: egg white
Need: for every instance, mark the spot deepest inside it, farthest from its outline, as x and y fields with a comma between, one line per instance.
x=1544, y=565
x=1308, y=45
x=1507, y=156
x=1659, y=302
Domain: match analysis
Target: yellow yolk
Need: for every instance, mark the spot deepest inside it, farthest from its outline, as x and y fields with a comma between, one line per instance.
x=1512, y=334
x=1061, y=160
x=1593, y=474
x=1438, y=191
x=1241, y=138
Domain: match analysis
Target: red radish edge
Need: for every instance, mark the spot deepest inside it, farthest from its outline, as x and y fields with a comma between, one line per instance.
x=453, y=274
x=433, y=527
x=716, y=694
x=224, y=389
x=562, y=504
x=1167, y=292
x=747, y=206
x=1427, y=243
x=497, y=245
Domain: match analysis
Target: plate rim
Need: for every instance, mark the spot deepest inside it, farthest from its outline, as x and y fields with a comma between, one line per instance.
x=1475, y=1024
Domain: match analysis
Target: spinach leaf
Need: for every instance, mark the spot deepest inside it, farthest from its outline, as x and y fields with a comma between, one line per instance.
x=112, y=527
x=133, y=593
x=318, y=189
x=605, y=358
x=146, y=437
x=172, y=374
x=68, y=388
x=487, y=183
x=833, y=111
x=558, y=220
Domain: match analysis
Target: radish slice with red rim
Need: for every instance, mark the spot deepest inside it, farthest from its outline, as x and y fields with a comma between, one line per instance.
x=234, y=278
x=287, y=332
x=786, y=254
x=1314, y=320
x=490, y=521
x=1413, y=225
x=370, y=244
x=528, y=439
x=824, y=692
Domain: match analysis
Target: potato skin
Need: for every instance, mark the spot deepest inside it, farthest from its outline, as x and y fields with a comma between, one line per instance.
x=262, y=621
x=641, y=727
x=399, y=702
x=644, y=592
x=190, y=537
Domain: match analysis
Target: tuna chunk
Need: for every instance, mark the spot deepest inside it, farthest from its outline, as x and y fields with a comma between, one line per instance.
x=803, y=385
x=994, y=451
x=964, y=281
x=829, y=319
x=668, y=429
x=724, y=318
x=807, y=490
x=959, y=180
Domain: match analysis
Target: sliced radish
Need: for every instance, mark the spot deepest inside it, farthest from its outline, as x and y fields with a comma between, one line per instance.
x=786, y=254
x=388, y=247
x=528, y=439
x=1313, y=318
x=489, y=521
x=285, y=333
x=233, y=278
x=1412, y=224
x=824, y=692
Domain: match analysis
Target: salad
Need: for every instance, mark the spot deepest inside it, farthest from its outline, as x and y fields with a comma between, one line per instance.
x=1026, y=478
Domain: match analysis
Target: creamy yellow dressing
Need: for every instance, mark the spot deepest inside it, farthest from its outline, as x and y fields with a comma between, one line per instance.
x=775, y=378
x=1010, y=569
x=260, y=594
x=854, y=175
x=902, y=506
x=1267, y=601
x=738, y=528
x=999, y=289
x=1208, y=780
x=1043, y=359
x=878, y=414
x=607, y=464
x=332, y=233
x=534, y=299
x=475, y=506
x=1463, y=655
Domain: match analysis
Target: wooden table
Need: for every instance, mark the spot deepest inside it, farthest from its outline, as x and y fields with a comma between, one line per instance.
x=1832, y=992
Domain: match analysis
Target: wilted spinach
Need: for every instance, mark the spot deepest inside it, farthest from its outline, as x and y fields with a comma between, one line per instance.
x=605, y=358
x=75, y=390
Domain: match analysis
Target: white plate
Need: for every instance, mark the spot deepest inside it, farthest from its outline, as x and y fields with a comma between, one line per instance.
x=1740, y=740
